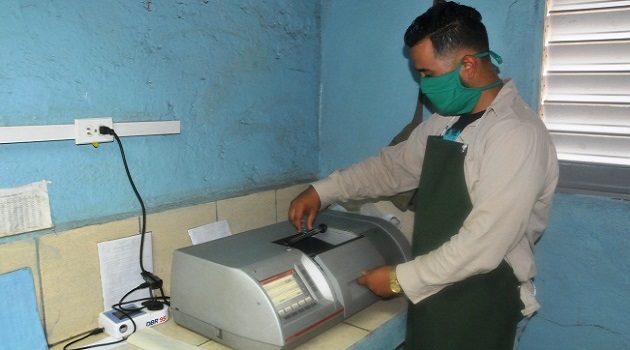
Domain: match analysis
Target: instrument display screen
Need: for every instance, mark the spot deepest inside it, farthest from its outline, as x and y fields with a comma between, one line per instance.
x=283, y=288
x=288, y=294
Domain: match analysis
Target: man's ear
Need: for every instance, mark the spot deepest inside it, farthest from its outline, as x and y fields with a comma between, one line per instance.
x=470, y=67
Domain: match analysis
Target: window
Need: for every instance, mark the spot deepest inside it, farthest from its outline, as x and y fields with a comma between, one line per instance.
x=585, y=99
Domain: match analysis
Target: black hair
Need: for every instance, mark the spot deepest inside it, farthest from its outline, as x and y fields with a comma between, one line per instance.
x=450, y=27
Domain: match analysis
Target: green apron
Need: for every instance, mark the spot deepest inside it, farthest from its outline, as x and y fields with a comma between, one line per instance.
x=480, y=312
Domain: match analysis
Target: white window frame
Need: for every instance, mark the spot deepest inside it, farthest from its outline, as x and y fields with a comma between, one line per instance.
x=585, y=93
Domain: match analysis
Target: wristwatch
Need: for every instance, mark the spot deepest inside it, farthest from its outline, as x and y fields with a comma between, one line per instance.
x=393, y=281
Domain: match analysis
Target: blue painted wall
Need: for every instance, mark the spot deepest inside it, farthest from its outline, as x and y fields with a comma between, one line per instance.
x=368, y=94
x=368, y=91
x=583, y=280
x=241, y=76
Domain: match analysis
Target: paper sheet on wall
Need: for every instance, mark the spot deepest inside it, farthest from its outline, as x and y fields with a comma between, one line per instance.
x=24, y=209
x=209, y=232
x=120, y=268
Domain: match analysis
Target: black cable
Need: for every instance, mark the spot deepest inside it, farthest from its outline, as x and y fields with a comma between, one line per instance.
x=154, y=281
x=151, y=281
x=119, y=307
x=122, y=300
x=164, y=297
x=90, y=333
x=135, y=190
x=136, y=301
x=123, y=310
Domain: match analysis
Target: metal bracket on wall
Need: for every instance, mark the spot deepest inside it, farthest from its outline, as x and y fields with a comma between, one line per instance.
x=38, y=133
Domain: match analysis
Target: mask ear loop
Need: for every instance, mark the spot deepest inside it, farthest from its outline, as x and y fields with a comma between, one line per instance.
x=490, y=53
x=496, y=56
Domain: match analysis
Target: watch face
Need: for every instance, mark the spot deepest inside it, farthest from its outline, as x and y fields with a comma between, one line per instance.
x=393, y=282
x=394, y=287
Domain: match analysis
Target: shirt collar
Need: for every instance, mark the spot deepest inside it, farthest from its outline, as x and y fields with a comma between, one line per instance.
x=505, y=97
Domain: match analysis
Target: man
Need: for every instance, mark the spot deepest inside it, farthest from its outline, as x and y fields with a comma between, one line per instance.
x=486, y=170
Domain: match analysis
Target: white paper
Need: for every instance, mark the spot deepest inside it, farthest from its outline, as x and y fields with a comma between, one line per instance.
x=120, y=268
x=150, y=339
x=24, y=209
x=118, y=346
x=209, y=232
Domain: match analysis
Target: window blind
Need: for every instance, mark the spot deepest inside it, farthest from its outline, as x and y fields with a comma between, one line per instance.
x=585, y=96
x=585, y=93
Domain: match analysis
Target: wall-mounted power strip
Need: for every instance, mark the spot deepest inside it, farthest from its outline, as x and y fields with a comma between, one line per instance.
x=117, y=325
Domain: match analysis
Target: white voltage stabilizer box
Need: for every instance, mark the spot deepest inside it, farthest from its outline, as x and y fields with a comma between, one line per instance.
x=117, y=325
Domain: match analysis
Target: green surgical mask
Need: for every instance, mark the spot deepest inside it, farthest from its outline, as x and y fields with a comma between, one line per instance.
x=449, y=96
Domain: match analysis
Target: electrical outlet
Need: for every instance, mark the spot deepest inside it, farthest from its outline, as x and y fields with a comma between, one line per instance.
x=86, y=130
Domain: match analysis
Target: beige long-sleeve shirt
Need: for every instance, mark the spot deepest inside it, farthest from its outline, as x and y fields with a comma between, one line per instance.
x=511, y=171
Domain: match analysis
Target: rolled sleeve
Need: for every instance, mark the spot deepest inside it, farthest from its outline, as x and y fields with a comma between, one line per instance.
x=395, y=169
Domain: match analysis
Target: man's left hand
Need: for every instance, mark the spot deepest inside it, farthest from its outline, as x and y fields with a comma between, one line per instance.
x=377, y=280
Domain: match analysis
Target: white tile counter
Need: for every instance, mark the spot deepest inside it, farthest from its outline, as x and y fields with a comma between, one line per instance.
x=380, y=326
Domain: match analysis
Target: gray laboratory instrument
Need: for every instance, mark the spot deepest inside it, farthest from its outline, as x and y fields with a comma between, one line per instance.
x=269, y=288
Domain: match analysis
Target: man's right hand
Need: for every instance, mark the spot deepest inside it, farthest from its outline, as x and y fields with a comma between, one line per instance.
x=306, y=204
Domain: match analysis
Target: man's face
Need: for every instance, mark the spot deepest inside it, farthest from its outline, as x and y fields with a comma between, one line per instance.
x=424, y=61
